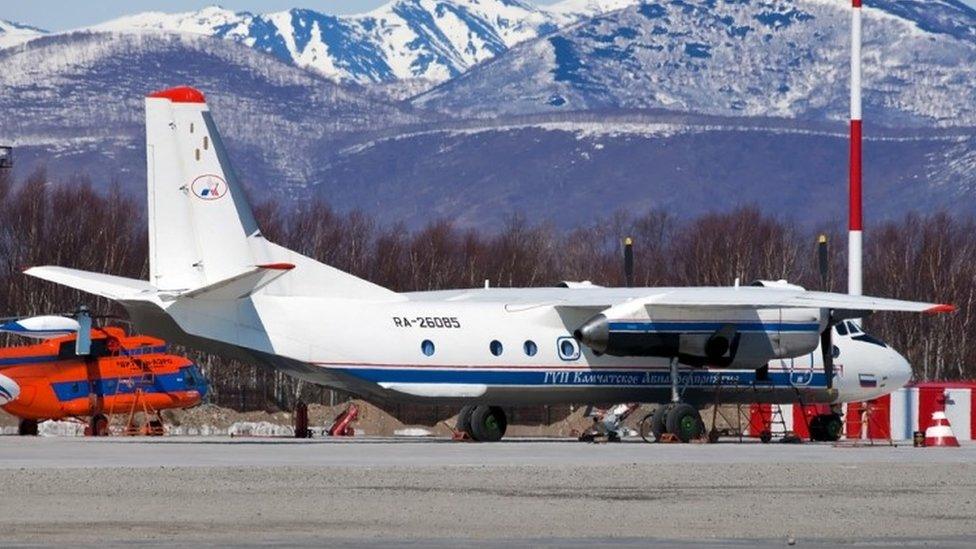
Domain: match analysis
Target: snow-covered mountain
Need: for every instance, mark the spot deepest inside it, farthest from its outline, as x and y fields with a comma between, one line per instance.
x=434, y=40
x=12, y=34
x=782, y=58
x=74, y=104
x=571, y=169
x=692, y=105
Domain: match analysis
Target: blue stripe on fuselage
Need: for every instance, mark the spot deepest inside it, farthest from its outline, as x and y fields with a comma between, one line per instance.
x=165, y=383
x=685, y=327
x=581, y=377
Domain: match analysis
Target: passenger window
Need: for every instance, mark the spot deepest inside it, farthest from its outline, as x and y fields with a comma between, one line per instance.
x=568, y=348
x=496, y=347
x=530, y=348
x=427, y=347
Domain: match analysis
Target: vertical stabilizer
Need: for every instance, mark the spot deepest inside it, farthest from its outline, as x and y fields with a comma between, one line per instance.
x=202, y=232
x=201, y=228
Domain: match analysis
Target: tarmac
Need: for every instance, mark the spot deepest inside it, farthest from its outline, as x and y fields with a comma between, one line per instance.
x=367, y=492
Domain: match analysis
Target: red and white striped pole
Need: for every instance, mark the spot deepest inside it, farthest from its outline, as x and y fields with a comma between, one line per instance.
x=855, y=235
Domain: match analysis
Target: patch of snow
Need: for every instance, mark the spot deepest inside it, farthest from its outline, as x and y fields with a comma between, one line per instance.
x=413, y=432
x=14, y=34
x=260, y=429
x=52, y=428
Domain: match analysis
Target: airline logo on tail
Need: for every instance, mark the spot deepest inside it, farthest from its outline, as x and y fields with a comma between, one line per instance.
x=209, y=187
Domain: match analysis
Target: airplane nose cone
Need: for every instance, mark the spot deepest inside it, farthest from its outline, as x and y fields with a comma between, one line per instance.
x=594, y=333
x=901, y=371
x=9, y=390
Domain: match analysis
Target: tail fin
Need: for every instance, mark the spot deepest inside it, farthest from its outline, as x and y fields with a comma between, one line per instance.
x=199, y=219
x=202, y=230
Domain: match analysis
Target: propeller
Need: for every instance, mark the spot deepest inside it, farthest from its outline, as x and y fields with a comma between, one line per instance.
x=629, y=262
x=823, y=262
x=827, y=336
x=827, y=348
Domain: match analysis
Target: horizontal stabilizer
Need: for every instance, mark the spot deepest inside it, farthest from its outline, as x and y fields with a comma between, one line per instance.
x=239, y=286
x=107, y=286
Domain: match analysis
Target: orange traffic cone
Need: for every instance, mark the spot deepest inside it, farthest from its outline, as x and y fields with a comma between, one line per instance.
x=940, y=433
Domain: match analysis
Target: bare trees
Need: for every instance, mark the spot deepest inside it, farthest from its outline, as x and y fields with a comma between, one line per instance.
x=918, y=257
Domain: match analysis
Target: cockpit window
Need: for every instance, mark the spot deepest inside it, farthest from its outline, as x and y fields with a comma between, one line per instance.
x=853, y=328
x=867, y=338
x=842, y=329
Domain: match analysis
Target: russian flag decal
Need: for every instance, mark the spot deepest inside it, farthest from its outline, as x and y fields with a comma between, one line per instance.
x=867, y=380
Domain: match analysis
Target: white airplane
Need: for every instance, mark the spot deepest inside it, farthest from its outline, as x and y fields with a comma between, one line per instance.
x=217, y=284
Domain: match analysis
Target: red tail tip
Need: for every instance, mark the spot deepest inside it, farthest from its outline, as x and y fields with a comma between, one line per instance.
x=938, y=309
x=181, y=94
x=277, y=266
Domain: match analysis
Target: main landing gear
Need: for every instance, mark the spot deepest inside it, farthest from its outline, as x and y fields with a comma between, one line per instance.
x=482, y=423
x=27, y=428
x=677, y=419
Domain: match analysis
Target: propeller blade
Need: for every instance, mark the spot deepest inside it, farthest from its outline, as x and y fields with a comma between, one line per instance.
x=827, y=348
x=823, y=262
x=629, y=261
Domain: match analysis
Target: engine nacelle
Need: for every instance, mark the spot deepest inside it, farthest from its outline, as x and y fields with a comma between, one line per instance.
x=577, y=285
x=781, y=284
x=746, y=339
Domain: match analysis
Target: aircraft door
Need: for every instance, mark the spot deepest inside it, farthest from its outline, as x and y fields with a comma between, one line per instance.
x=801, y=370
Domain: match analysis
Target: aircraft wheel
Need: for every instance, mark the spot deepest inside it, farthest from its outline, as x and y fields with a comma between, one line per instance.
x=713, y=436
x=488, y=423
x=826, y=428
x=98, y=425
x=463, y=424
x=644, y=428
x=659, y=423
x=27, y=428
x=817, y=432
x=685, y=422
x=766, y=436
x=833, y=427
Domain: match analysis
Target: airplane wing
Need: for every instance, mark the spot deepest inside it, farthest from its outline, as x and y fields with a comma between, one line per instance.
x=717, y=297
x=768, y=298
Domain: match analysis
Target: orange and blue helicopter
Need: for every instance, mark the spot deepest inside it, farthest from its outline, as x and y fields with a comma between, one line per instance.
x=107, y=373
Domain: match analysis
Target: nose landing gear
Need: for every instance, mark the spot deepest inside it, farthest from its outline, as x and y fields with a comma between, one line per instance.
x=826, y=427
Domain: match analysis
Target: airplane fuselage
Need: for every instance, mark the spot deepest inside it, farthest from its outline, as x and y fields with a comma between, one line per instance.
x=469, y=346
